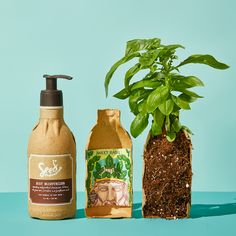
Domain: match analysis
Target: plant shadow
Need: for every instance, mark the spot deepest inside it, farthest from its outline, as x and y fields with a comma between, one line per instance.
x=197, y=210
x=207, y=210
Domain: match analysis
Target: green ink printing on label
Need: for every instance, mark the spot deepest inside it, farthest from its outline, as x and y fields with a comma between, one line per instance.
x=109, y=177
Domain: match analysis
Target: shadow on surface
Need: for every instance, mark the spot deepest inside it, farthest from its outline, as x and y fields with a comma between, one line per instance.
x=197, y=210
x=80, y=214
x=137, y=210
x=207, y=210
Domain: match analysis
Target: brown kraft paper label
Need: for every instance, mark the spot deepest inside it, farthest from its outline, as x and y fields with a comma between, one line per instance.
x=50, y=179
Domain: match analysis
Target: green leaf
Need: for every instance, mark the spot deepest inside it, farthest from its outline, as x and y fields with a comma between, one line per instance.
x=158, y=121
x=157, y=97
x=158, y=117
x=190, y=93
x=167, y=124
x=130, y=73
x=170, y=136
x=204, y=59
x=139, y=123
x=176, y=126
x=122, y=94
x=187, y=98
x=148, y=58
x=181, y=82
x=108, y=175
x=109, y=161
x=181, y=103
x=136, y=45
x=145, y=83
x=142, y=106
x=135, y=97
x=98, y=167
x=115, y=66
x=96, y=158
x=168, y=50
x=166, y=107
x=119, y=166
x=90, y=166
x=155, y=128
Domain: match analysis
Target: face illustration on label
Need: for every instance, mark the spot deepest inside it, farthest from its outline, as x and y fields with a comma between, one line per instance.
x=46, y=171
x=110, y=192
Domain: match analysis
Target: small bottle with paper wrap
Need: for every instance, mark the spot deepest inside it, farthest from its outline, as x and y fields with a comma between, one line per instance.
x=109, y=168
x=52, y=159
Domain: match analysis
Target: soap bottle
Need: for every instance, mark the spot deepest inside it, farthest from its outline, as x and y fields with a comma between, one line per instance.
x=109, y=168
x=52, y=159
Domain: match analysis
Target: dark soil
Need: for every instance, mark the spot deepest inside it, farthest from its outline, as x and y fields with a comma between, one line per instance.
x=167, y=177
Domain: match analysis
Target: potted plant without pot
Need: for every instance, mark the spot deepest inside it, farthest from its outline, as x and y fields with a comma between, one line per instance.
x=160, y=95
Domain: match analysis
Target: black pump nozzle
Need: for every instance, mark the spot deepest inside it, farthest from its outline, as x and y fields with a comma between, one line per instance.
x=51, y=96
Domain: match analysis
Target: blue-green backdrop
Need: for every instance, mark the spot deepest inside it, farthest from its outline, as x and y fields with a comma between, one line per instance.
x=83, y=39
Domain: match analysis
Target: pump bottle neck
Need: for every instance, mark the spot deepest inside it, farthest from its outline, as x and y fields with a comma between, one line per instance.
x=51, y=113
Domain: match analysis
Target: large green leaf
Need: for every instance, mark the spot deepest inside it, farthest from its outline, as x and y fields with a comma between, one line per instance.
x=190, y=93
x=142, y=106
x=115, y=66
x=166, y=107
x=139, y=123
x=135, y=97
x=187, y=98
x=157, y=97
x=122, y=94
x=180, y=82
x=148, y=58
x=130, y=73
x=136, y=45
x=204, y=59
x=181, y=103
x=145, y=83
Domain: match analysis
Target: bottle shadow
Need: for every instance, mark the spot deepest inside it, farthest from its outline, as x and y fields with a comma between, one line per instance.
x=137, y=211
x=198, y=210
x=80, y=214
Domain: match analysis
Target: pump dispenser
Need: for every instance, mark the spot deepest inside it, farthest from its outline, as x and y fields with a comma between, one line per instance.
x=52, y=159
x=51, y=96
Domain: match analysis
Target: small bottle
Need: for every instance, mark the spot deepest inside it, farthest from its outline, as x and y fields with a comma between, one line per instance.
x=109, y=168
x=52, y=159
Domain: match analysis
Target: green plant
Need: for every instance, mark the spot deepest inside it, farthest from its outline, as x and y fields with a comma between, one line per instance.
x=163, y=91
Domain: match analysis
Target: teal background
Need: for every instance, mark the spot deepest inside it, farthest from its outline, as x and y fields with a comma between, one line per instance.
x=83, y=39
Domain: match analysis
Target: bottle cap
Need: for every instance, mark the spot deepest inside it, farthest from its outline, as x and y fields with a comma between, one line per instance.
x=51, y=96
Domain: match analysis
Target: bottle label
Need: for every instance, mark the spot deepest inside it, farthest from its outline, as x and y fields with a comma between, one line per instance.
x=109, y=177
x=50, y=179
